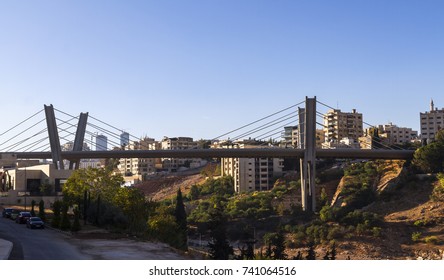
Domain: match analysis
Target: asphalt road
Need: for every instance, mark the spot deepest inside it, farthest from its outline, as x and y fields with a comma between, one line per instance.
x=38, y=244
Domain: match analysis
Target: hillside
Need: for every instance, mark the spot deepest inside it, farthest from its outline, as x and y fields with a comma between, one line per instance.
x=413, y=222
x=411, y=227
x=166, y=187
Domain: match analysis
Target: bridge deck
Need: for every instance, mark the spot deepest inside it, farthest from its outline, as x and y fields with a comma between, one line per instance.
x=224, y=153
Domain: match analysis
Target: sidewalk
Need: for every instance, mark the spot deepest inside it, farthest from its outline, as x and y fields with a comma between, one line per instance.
x=5, y=249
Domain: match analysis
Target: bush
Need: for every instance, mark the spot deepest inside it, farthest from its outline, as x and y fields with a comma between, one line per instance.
x=431, y=240
x=65, y=224
x=416, y=236
x=423, y=223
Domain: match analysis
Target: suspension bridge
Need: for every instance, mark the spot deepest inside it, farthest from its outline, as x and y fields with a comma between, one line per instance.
x=37, y=141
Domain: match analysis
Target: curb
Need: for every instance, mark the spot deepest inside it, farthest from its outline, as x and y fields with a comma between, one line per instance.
x=5, y=249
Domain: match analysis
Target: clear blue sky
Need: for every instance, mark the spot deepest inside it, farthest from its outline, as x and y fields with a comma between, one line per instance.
x=202, y=68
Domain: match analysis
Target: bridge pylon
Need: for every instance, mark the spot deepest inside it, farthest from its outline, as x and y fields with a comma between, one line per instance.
x=307, y=141
x=54, y=141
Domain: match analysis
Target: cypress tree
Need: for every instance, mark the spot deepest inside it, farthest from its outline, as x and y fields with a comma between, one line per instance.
x=56, y=208
x=32, y=208
x=181, y=220
x=42, y=214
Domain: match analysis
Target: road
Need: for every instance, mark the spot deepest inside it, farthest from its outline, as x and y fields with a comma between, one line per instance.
x=38, y=244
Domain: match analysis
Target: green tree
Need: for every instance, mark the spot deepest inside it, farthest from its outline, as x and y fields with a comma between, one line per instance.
x=181, y=220
x=42, y=214
x=56, y=208
x=219, y=247
x=430, y=158
x=96, y=181
x=194, y=192
x=135, y=207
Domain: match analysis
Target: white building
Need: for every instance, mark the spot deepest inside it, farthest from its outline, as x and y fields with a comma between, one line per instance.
x=431, y=122
x=251, y=174
x=397, y=135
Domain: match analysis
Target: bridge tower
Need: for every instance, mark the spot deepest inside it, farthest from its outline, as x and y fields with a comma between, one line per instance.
x=54, y=141
x=307, y=141
x=78, y=141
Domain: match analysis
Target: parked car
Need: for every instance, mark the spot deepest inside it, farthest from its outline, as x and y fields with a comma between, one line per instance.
x=35, y=222
x=6, y=213
x=23, y=217
x=13, y=215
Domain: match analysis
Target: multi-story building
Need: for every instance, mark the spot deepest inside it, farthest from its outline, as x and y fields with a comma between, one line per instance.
x=431, y=123
x=251, y=174
x=139, y=167
x=124, y=139
x=339, y=125
x=290, y=137
x=397, y=135
x=179, y=143
x=101, y=143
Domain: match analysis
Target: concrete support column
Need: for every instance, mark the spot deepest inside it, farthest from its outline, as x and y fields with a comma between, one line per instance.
x=307, y=130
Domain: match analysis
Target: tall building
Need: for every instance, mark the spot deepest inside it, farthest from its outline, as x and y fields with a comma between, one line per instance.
x=251, y=174
x=124, y=139
x=101, y=143
x=431, y=122
x=339, y=125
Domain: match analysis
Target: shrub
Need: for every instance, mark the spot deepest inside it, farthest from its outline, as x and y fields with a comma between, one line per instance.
x=65, y=224
x=423, y=223
x=416, y=236
x=431, y=240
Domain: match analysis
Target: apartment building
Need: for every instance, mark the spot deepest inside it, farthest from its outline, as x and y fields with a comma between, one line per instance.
x=431, y=122
x=139, y=167
x=179, y=143
x=339, y=125
x=397, y=135
x=291, y=135
x=251, y=174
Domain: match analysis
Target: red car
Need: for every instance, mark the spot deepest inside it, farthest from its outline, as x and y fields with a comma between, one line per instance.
x=23, y=217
